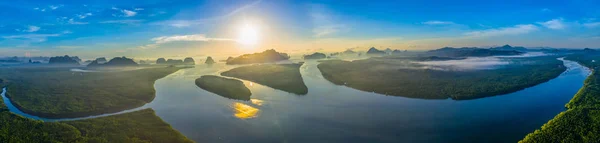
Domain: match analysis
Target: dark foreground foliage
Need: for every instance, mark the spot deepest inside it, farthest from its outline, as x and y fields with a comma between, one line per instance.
x=284, y=77
x=581, y=121
x=229, y=88
x=398, y=77
x=58, y=93
x=135, y=127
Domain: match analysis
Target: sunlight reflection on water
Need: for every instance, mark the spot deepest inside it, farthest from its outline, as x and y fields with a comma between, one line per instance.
x=257, y=102
x=244, y=111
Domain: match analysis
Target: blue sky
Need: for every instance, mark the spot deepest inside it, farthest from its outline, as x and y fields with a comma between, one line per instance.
x=161, y=28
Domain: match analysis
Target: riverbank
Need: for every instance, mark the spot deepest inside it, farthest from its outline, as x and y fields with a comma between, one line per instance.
x=60, y=93
x=581, y=121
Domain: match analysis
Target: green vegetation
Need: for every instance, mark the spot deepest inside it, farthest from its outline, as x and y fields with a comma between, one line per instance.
x=401, y=77
x=56, y=92
x=117, y=61
x=581, y=121
x=263, y=57
x=284, y=77
x=229, y=88
x=139, y=126
x=315, y=55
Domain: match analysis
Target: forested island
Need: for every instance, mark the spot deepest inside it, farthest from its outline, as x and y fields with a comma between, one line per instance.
x=403, y=77
x=581, y=121
x=284, y=77
x=56, y=92
x=117, y=61
x=226, y=87
x=267, y=56
x=315, y=55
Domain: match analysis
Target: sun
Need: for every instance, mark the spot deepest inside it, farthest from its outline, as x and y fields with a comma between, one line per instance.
x=248, y=34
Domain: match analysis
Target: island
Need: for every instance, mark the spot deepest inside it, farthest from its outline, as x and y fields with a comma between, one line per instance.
x=406, y=77
x=209, y=60
x=581, y=121
x=63, y=60
x=315, y=55
x=375, y=51
x=101, y=60
x=117, y=61
x=161, y=61
x=189, y=61
x=267, y=56
x=57, y=92
x=285, y=77
x=226, y=87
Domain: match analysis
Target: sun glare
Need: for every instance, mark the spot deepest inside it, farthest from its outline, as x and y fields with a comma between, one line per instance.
x=248, y=34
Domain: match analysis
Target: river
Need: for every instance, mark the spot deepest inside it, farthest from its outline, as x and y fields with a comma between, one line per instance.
x=331, y=113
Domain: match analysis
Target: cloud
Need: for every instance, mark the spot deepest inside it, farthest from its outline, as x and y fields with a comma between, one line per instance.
x=327, y=30
x=324, y=22
x=30, y=29
x=39, y=9
x=128, y=13
x=138, y=9
x=195, y=37
x=435, y=22
x=72, y=21
x=556, y=24
x=180, y=38
x=183, y=23
x=127, y=21
x=592, y=24
x=82, y=16
x=514, y=30
x=32, y=37
x=186, y=23
x=54, y=7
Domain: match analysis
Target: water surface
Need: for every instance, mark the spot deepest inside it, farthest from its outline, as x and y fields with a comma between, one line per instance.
x=331, y=113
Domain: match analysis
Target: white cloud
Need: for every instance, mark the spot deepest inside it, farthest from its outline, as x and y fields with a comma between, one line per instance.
x=30, y=29
x=324, y=22
x=54, y=7
x=514, y=30
x=178, y=38
x=195, y=37
x=72, y=21
x=193, y=22
x=592, y=24
x=82, y=16
x=127, y=21
x=32, y=37
x=556, y=24
x=138, y=9
x=327, y=30
x=435, y=22
x=182, y=23
x=128, y=13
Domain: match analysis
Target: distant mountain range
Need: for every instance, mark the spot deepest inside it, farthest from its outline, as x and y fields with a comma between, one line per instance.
x=475, y=52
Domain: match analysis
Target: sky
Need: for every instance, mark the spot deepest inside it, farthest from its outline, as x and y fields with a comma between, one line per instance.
x=173, y=28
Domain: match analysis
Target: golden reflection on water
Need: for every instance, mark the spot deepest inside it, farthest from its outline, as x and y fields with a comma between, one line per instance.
x=244, y=111
x=257, y=102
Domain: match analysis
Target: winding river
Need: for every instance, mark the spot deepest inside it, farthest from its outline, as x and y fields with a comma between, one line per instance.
x=331, y=113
